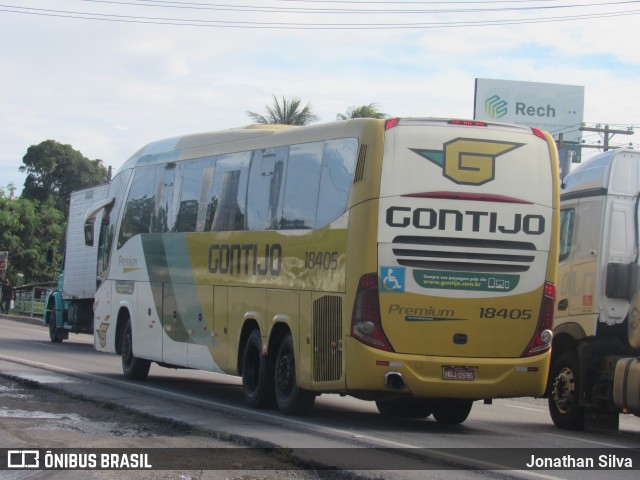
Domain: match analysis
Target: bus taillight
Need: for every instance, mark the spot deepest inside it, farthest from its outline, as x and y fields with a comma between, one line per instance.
x=366, y=324
x=391, y=122
x=541, y=341
x=468, y=123
x=538, y=133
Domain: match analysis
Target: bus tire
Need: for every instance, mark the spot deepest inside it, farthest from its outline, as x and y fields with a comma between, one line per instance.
x=257, y=376
x=291, y=399
x=134, y=368
x=563, y=400
x=452, y=411
x=51, y=320
x=404, y=408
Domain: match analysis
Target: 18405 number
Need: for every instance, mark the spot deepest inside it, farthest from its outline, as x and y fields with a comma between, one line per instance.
x=514, y=313
x=321, y=260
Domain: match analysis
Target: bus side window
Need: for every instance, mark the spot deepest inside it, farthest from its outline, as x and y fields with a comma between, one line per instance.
x=567, y=219
x=338, y=164
x=104, y=244
x=163, y=218
x=138, y=210
x=266, y=181
x=197, y=179
x=302, y=186
x=230, y=191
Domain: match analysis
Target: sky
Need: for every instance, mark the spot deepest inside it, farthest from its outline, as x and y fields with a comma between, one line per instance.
x=109, y=76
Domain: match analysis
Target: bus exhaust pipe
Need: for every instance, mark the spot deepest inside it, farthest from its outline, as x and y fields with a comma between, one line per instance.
x=394, y=381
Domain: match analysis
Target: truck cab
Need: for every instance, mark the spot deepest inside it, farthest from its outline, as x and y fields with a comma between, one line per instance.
x=595, y=372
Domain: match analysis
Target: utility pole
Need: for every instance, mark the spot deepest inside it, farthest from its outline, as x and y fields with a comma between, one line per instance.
x=608, y=134
x=568, y=152
x=562, y=142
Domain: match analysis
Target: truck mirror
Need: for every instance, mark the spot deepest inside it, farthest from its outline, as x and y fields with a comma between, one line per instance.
x=622, y=280
x=88, y=232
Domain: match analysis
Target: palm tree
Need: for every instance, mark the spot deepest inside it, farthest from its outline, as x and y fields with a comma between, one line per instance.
x=289, y=113
x=364, y=111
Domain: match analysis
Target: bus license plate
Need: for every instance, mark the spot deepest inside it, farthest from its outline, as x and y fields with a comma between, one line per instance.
x=467, y=374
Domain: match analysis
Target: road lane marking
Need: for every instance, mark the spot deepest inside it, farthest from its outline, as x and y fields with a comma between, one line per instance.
x=585, y=441
x=525, y=408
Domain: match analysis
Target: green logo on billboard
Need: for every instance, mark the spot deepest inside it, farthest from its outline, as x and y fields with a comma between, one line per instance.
x=476, y=281
x=495, y=107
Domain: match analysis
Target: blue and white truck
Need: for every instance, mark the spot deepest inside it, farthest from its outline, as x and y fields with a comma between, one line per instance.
x=69, y=308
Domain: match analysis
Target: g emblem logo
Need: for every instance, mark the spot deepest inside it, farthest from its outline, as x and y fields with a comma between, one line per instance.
x=102, y=334
x=468, y=161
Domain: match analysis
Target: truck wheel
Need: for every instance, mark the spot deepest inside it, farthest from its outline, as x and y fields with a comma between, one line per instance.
x=133, y=368
x=404, y=408
x=257, y=376
x=51, y=320
x=452, y=411
x=564, y=407
x=291, y=399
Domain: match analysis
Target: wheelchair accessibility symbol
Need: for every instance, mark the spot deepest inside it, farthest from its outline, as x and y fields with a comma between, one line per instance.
x=392, y=279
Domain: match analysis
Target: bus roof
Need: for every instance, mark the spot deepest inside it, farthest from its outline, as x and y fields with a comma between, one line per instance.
x=203, y=139
x=228, y=139
x=235, y=139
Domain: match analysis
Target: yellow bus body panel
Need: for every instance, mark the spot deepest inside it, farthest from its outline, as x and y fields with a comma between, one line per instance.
x=496, y=377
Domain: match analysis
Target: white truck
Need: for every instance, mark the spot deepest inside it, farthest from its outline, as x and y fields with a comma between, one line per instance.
x=69, y=308
x=595, y=363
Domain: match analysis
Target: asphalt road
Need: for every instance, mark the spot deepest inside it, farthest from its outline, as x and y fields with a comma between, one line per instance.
x=39, y=415
x=33, y=416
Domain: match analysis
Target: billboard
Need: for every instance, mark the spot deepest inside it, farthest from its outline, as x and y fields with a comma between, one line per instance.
x=547, y=106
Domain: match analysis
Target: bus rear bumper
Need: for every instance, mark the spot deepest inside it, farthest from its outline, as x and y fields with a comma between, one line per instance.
x=372, y=370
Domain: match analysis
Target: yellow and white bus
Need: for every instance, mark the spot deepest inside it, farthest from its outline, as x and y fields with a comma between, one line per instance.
x=407, y=261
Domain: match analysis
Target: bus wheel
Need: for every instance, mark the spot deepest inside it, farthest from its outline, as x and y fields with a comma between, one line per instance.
x=452, y=411
x=133, y=368
x=51, y=319
x=404, y=408
x=257, y=377
x=291, y=399
x=564, y=407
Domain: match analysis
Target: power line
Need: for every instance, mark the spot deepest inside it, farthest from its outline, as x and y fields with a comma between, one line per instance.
x=83, y=15
x=296, y=25
x=378, y=2
x=563, y=129
x=608, y=133
x=603, y=142
x=273, y=9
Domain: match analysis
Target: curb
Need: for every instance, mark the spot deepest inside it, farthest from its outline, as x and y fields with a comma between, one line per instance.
x=23, y=319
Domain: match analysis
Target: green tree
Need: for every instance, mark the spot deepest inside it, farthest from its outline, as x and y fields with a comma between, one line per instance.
x=55, y=170
x=363, y=111
x=289, y=112
x=28, y=230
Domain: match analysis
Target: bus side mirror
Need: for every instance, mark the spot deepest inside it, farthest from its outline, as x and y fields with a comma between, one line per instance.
x=622, y=280
x=88, y=232
x=49, y=257
x=90, y=219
